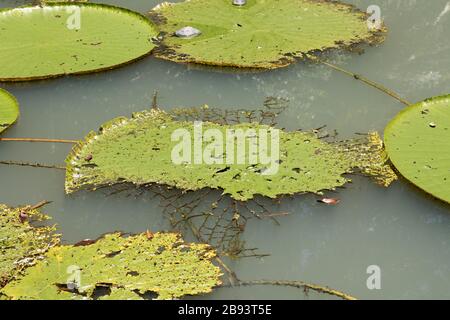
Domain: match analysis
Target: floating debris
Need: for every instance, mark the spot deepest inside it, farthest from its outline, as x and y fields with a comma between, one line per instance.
x=329, y=201
x=239, y=3
x=23, y=216
x=188, y=32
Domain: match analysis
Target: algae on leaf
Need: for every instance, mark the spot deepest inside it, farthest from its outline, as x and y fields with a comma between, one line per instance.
x=9, y=110
x=70, y=38
x=261, y=34
x=139, y=151
x=21, y=244
x=418, y=144
x=129, y=267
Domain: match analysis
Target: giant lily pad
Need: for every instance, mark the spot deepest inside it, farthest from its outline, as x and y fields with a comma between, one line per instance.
x=262, y=34
x=140, y=151
x=128, y=267
x=21, y=244
x=418, y=144
x=59, y=39
x=9, y=110
x=53, y=1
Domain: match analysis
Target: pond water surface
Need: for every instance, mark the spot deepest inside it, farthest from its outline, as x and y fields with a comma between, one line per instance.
x=403, y=231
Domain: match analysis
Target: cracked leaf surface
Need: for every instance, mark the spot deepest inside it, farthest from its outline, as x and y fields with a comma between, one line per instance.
x=130, y=266
x=46, y=42
x=418, y=144
x=22, y=244
x=262, y=34
x=139, y=150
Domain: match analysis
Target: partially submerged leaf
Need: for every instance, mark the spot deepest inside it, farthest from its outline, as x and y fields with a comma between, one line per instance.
x=129, y=267
x=21, y=244
x=261, y=34
x=62, y=38
x=9, y=110
x=139, y=151
x=418, y=144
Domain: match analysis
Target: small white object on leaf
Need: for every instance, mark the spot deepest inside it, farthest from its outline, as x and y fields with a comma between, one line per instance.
x=188, y=32
x=239, y=3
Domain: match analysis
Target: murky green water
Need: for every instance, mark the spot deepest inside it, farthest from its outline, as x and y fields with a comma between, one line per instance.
x=404, y=232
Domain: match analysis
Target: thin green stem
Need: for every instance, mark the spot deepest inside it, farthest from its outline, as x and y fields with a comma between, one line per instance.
x=366, y=81
x=39, y=140
x=34, y=165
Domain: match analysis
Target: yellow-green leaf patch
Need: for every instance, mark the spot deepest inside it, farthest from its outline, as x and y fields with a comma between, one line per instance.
x=127, y=267
x=70, y=38
x=21, y=243
x=264, y=34
x=139, y=151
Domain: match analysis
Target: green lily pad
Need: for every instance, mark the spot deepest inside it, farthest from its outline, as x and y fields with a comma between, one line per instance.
x=129, y=267
x=21, y=244
x=61, y=38
x=418, y=144
x=52, y=1
x=261, y=34
x=140, y=151
x=9, y=110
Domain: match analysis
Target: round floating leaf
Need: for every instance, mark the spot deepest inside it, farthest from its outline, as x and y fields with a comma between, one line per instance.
x=58, y=39
x=127, y=267
x=418, y=144
x=140, y=150
x=9, y=110
x=262, y=34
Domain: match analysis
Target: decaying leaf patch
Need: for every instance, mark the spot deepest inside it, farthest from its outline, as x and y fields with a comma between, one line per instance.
x=120, y=267
x=139, y=151
x=21, y=243
x=261, y=34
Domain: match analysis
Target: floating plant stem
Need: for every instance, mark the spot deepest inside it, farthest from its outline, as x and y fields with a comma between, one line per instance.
x=235, y=281
x=231, y=274
x=39, y=205
x=33, y=165
x=40, y=140
x=364, y=80
x=299, y=284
